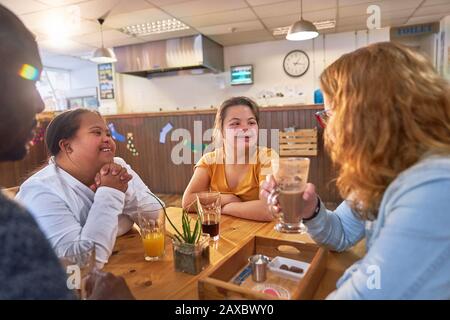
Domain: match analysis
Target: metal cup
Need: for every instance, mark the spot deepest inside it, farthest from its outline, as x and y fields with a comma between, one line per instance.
x=259, y=262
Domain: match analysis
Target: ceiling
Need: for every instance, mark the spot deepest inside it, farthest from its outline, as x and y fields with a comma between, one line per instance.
x=229, y=22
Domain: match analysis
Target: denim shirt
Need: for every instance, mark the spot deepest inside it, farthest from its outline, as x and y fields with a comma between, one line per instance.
x=408, y=245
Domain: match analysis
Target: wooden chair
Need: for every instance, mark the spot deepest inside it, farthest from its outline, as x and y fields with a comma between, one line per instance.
x=10, y=192
x=298, y=143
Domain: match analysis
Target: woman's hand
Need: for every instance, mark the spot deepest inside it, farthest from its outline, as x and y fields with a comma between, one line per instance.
x=266, y=192
x=116, y=170
x=112, y=175
x=309, y=197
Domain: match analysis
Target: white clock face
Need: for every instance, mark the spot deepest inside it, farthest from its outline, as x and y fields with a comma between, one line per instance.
x=296, y=63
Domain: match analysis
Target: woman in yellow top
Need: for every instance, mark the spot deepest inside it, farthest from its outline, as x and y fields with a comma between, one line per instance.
x=238, y=165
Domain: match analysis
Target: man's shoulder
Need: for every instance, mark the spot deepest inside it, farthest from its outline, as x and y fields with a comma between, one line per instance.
x=17, y=225
x=29, y=269
x=12, y=213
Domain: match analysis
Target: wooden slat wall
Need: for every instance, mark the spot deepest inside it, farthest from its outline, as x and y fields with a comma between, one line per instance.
x=154, y=163
x=13, y=173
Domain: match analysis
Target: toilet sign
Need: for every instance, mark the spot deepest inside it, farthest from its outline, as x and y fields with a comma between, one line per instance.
x=415, y=30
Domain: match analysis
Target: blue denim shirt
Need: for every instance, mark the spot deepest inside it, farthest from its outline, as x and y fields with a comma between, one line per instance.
x=408, y=246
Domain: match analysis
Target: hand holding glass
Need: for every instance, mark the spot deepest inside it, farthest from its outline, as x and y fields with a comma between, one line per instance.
x=291, y=175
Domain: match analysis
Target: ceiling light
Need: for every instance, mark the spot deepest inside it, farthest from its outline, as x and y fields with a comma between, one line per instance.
x=302, y=29
x=155, y=27
x=320, y=25
x=103, y=55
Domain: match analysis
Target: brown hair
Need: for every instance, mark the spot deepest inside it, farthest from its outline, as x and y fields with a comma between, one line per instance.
x=64, y=126
x=232, y=102
x=390, y=107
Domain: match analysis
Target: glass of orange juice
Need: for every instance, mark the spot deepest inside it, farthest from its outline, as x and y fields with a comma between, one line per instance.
x=151, y=225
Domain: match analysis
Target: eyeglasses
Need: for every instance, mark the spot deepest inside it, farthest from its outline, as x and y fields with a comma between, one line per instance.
x=323, y=116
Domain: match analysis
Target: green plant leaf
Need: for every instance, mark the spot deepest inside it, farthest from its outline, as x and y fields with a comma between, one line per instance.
x=178, y=238
x=186, y=227
x=199, y=226
x=191, y=235
x=194, y=235
x=198, y=238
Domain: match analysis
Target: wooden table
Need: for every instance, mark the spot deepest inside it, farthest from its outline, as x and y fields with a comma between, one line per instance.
x=158, y=280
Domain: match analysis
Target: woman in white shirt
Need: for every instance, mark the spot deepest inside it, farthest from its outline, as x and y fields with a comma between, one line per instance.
x=84, y=193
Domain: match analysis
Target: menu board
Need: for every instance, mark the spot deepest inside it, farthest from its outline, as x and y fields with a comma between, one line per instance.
x=106, y=81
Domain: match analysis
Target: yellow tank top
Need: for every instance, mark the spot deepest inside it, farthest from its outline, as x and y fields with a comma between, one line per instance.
x=248, y=188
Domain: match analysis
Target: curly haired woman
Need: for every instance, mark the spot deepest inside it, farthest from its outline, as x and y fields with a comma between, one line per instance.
x=389, y=132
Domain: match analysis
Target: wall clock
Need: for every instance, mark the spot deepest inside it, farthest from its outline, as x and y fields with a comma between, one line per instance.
x=296, y=63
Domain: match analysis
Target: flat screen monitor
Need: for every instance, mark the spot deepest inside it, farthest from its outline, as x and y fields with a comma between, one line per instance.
x=241, y=75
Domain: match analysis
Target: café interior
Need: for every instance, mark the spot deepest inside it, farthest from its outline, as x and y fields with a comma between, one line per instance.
x=158, y=79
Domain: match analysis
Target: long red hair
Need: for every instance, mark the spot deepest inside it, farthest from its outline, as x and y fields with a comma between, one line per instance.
x=390, y=108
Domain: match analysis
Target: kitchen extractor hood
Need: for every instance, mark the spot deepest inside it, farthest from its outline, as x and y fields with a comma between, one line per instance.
x=169, y=56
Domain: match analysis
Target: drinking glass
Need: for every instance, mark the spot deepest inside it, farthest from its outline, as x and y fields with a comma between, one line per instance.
x=291, y=175
x=151, y=221
x=78, y=260
x=209, y=209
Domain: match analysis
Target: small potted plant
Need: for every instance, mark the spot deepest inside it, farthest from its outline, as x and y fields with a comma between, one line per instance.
x=191, y=246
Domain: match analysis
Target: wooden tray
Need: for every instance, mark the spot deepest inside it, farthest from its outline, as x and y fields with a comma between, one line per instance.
x=217, y=284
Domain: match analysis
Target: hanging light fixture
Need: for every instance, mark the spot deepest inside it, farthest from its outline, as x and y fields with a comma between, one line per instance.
x=302, y=29
x=103, y=55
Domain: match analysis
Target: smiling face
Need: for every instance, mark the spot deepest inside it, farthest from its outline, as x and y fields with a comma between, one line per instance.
x=240, y=127
x=92, y=144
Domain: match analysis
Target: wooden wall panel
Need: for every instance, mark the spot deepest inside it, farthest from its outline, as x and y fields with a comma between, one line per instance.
x=14, y=173
x=154, y=163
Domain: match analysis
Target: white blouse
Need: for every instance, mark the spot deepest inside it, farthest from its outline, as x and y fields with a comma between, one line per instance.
x=67, y=210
